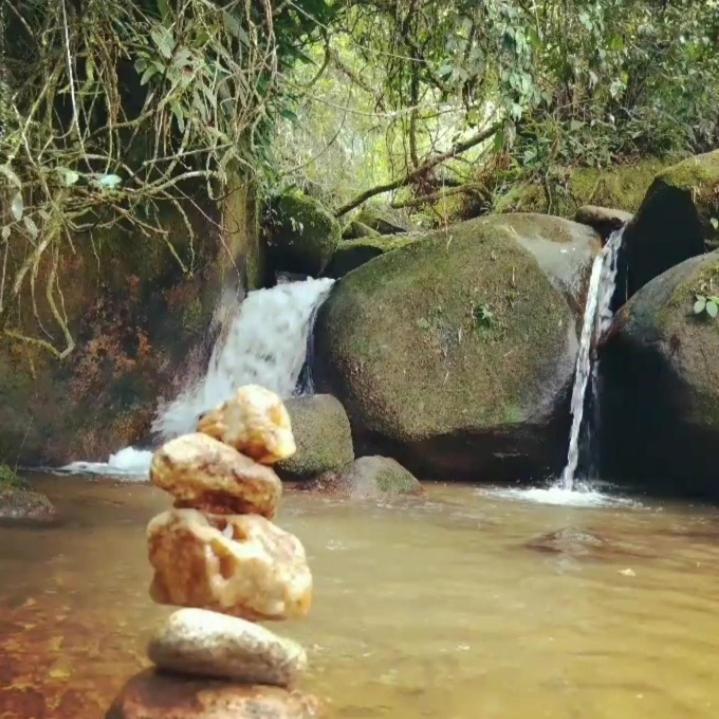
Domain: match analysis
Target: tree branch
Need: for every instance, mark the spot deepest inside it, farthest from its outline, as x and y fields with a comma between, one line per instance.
x=457, y=149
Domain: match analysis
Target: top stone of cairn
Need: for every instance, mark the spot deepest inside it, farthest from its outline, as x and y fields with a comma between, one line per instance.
x=254, y=422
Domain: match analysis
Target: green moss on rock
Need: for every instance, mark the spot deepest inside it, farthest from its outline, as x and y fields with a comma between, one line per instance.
x=466, y=332
x=301, y=234
x=378, y=477
x=322, y=434
x=350, y=254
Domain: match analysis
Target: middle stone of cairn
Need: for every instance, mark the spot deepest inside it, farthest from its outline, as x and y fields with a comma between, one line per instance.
x=217, y=549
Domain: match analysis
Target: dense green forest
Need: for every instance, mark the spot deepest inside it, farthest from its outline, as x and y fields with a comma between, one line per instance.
x=110, y=109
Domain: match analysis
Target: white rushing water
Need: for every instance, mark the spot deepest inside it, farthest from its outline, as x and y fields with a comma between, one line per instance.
x=597, y=317
x=264, y=341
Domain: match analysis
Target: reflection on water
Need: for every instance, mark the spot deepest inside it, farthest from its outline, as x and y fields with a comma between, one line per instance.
x=458, y=606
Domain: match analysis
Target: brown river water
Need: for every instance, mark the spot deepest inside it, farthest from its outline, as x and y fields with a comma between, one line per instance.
x=451, y=606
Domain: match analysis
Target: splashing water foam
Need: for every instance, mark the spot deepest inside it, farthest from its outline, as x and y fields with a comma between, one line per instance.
x=264, y=342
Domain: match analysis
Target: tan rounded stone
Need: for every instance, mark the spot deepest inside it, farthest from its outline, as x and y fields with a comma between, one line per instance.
x=236, y=564
x=203, y=473
x=204, y=643
x=154, y=695
x=255, y=422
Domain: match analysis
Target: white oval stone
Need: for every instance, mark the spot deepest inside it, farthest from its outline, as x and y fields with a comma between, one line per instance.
x=204, y=643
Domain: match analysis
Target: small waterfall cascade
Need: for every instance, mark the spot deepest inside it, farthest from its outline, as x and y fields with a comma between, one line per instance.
x=264, y=340
x=597, y=318
x=265, y=343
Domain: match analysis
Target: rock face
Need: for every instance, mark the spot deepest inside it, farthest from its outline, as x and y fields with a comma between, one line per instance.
x=660, y=384
x=676, y=220
x=237, y=564
x=456, y=353
x=254, y=422
x=301, y=235
x=322, y=435
x=377, y=477
x=203, y=473
x=153, y=695
x=198, y=642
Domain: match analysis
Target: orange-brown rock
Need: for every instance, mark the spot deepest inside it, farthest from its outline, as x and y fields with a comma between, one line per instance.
x=236, y=564
x=255, y=422
x=154, y=695
x=204, y=473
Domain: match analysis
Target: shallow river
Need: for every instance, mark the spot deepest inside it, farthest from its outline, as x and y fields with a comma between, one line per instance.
x=448, y=607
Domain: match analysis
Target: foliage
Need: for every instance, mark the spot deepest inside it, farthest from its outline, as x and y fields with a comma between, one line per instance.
x=10, y=479
x=110, y=109
x=708, y=305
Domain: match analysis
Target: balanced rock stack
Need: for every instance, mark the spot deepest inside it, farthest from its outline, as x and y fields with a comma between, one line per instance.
x=218, y=553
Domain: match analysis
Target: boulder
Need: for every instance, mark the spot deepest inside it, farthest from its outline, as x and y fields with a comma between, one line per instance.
x=604, y=220
x=678, y=219
x=455, y=354
x=377, y=477
x=254, y=422
x=301, y=234
x=18, y=503
x=383, y=220
x=204, y=473
x=202, y=643
x=154, y=695
x=660, y=385
x=241, y=565
x=350, y=254
x=354, y=229
x=322, y=435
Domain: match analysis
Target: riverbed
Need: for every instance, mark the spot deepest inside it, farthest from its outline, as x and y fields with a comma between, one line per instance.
x=458, y=605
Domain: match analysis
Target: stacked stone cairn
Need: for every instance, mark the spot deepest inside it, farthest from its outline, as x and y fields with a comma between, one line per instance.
x=218, y=554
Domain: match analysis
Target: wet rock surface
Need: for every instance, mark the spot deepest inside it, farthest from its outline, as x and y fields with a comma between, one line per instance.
x=198, y=642
x=156, y=695
x=203, y=473
x=22, y=505
x=241, y=565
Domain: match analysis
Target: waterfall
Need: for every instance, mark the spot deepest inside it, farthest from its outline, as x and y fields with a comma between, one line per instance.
x=266, y=344
x=265, y=340
x=597, y=317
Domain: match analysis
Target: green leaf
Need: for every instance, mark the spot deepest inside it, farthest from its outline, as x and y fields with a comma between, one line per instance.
x=11, y=177
x=699, y=306
x=69, y=177
x=17, y=206
x=712, y=309
x=714, y=223
x=31, y=227
x=109, y=182
x=164, y=41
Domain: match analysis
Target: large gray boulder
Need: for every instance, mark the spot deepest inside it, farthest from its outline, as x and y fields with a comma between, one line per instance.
x=660, y=384
x=455, y=354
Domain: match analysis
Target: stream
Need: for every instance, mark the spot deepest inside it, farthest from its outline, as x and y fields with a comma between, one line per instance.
x=461, y=604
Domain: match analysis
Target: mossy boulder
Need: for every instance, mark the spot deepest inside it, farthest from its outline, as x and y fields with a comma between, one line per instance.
x=322, y=434
x=18, y=503
x=621, y=186
x=604, y=220
x=383, y=220
x=301, y=234
x=660, y=384
x=375, y=477
x=678, y=219
x=455, y=354
x=350, y=254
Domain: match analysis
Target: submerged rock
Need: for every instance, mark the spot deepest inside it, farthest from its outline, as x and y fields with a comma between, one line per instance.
x=456, y=353
x=23, y=505
x=199, y=642
x=206, y=474
x=301, y=234
x=236, y=564
x=154, y=695
x=375, y=478
x=677, y=220
x=660, y=384
x=322, y=434
x=255, y=422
